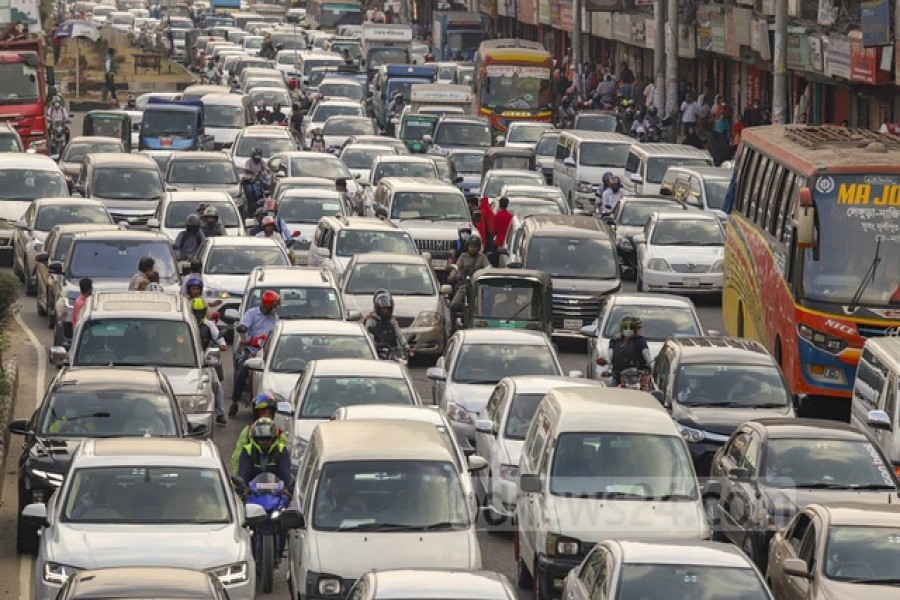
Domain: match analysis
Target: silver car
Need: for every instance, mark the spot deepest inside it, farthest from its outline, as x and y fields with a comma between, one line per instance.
x=442, y=584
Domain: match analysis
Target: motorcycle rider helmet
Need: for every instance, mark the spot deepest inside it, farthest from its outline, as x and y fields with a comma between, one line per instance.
x=267, y=220
x=132, y=101
x=261, y=105
x=629, y=326
x=264, y=405
x=194, y=281
x=652, y=111
x=192, y=222
x=606, y=177
x=269, y=300
x=474, y=240
x=383, y=303
x=256, y=154
x=198, y=307
x=211, y=212
x=276, y=107
x=263, y=432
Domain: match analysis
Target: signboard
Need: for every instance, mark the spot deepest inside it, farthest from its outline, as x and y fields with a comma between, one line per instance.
x=565, y=17
x=24, y=11
x=621, y=25
x=875, y=17
x=825, y=15
x=816, y=56
x=742, y=18
x=864, y=62
x=544, y=12
x=797, y=48
x=837, y=56
x=732, y=46
x=603, y=5
x=601, y=25
x=402, y=33
x=527, y=11
x=518, y=71
x=638, y=32
x=759, y=38
x=755, y=82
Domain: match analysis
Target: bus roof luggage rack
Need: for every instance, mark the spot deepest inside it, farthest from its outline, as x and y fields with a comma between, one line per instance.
x=815, y=136
x=512, y=43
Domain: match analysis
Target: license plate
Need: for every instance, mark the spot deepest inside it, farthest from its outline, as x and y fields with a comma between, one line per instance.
x=571, y=324
x=691, y=282
x=267, y=486
x=439, y=264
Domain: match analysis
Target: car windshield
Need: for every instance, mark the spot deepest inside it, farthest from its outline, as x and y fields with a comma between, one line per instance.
x=622, y=466
x=415, y=128
x=521, y=410
x=342, y=90
x=826, y=463
x=168, y=123
x=495, y=183
x=659, y=322
x=20, y=83
x=352, y=242
x=527, y=134
x=241, y=260
x=270, y=97
x=515, y=88
x=327, y=394
x=859, y=554
x=573, y=257
x=301, y=302
x=691, y=581
x=604, y=155
x=525, y=207
x=387, y=56
x=390, y=495
x=546, y=146
x=329, y=168
x=157, y=495
x=287, y=58
x=136, y=342
x=508, y=300
x=489, y=363
x=205, y=172
x=467, y=162
x=308, y=210
x=715, y=192
x=26, y=184
x=434, y=206
x=349, y=127
x=268, y=145
x=309, y=64
x=127, y=184
x=76, y=151
x=390, y=168
x=222, y=115
x=474, y=135
x=108, y=414
x=605, y=123
x=657, y=167
x=293, y=352
x=400, y=279
x=119, y=259
x=730, y=385
x=636, y=212
x=177, y=212
x=321, y=113
x=48, y=216
x=687, y=232
x=361, y=158
x=443, y=167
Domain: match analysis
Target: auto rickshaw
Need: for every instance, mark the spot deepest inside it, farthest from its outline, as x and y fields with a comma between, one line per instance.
x=510, y=299
x=413, y=127
x=522, y=159
x=109, y=123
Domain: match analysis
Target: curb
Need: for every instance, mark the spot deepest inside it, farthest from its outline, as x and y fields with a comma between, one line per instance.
x=7, y=409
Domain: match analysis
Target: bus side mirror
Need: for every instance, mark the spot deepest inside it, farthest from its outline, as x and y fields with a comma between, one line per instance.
x=806, y=211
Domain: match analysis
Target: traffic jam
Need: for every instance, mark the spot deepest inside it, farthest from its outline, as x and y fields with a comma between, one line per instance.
x=379, y=310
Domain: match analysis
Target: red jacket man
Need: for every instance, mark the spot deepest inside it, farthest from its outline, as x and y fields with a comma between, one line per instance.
x=501, y=222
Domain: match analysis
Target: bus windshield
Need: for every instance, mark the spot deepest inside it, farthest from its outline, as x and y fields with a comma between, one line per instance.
x=20, y=83
x=858, y=260
x=509, y=87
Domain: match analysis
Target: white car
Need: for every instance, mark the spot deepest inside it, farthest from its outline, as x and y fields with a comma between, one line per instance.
x=525, y=134
x=174, y=208
x=442, y=584
x=324, y=109
x=271, y=139
x=337, y=129
x=496, y=179
x=359, y=157
x=681, y=252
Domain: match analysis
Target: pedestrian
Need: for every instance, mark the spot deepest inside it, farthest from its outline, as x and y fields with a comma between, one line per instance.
x=649, y=95
x=109, y=75
x=500, y=226
x=637, y=91
x=57, y=45
x=626, y=80
x=141, y=278
x=692, y=139
x=689, y=111
x=86, y=285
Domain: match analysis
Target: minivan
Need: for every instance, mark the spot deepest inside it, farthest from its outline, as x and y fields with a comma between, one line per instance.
x=647, y=164
x=599, y=463
x=582, y=158
x=225, y=115
x=876, y=393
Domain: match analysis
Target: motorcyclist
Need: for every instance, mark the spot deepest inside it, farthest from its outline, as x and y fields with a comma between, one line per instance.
x=193, y=287
x=465, y=266
x=211, y=337
x=317, y=143
x=610, y=198
x=637, y=126
x=459, y=246
x=276, y=116
x=212, y=226
x=262, y=113
x=257, y=324
x=58, y=115
x=606, y=91
x=265, y=453
x=268, y=230
x=270, y=209
x=382, y=326
x=629, y=348
x=395, y=110
x=264, y=406
x=254, y=167
x=211, y=73
x=187, y=243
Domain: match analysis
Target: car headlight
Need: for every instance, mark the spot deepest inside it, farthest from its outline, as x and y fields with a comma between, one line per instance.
x=457, y=413
x=329, y=586
x=209, y=293
x=54, y=479
x=509, y=472
x=624, y=243
x=427, y=318
x=560, y=545
x=691, y=435
x=231, y=574
x=658, y=264
x=298, y=447
x=584, y=187
x=58, y=574
x=716, y=267
x=193, y=403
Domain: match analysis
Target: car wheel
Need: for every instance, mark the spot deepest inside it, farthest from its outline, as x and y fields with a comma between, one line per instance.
x=41, y=307
x=30, y=282
x=536, y=580
x=523, y=577
x=18, y=271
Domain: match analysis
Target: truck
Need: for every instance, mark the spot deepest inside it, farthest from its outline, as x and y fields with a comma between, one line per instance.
x=391, y=79
x=456, y=35
x=440, y=95
x=174, y=125
x=385, y=44
x=23, y=95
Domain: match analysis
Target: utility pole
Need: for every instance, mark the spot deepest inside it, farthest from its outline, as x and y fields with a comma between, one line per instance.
x=672, y=58
x=576, y=45
x=659, y=55
x=779, y=68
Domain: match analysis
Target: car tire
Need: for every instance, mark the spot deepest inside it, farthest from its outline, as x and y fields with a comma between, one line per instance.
x=523, y=578
x=18, y=272
x=30, y=283
x=536, y=579
x=41, y=310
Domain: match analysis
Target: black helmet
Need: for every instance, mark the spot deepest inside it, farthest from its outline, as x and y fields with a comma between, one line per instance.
x=192, y=220
x=474, y=240
x=276, y=107
x=256, y=153
x=263, y=432
x=132, y=101
x=652, y=110
x=383, y=299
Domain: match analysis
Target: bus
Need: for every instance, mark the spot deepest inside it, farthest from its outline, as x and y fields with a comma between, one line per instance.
x=512, y=82
x=328, y=14
x=812, y=251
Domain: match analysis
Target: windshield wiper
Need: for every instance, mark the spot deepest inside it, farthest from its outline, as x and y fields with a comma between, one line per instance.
x=718, y=404
x=441, y=525
x=769, y=405
x=822, y=485
x=381, y=527
x=885, y=581
x=478, y=381
x=668, y=497
x=868, y=278
x=623, y=495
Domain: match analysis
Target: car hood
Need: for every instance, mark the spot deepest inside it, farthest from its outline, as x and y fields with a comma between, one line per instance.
x=791, y=499
x=404, y=306
x=234, y=284
x=93, y=545
x=593, y=519
x=223, y=135
x=722, y=420
x=137, y=206
x=471, y=396
x=70, y=168
x=280, y=384
x=840, y=590
x=568, y=285
x=687, y=254
x=349, y=555
x=12, y=210
x=433, y=230
x=231, y=188
x=186, y=380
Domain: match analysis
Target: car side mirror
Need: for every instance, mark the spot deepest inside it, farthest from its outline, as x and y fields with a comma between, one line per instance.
x=249, y=223
x=514, y=265
x=42, y=258
x=436, y=374
x=569, y=162
x=665, y=191
x=231, y=314
x=476, y=463
x=353, y=315
x=639, y=238
x=198, y=430
x=530, y=483
x=55, y=267
x=323, y=252
x=660, y=397
x=738, y=474
x=485, y=426
x=20, y=225
x=446, y=289
x=254, y=515
x=458, y=179
x=59, y=356
x=20, y=427
x=381, y=212
x=284, y=408
x=589, y=331
x=292, y=518
x=575, y=374
x=153, y=223
x=212, y=357
x=636, y=178
x=878, y=419
x=275, y=164
x=36, y=513
x=796, y=567
x=255, y=364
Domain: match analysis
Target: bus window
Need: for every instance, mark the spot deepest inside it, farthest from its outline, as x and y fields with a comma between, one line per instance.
x=784, y=211
x=756, y=186
x=776, y=199
x=765, y=194
x=746, y=180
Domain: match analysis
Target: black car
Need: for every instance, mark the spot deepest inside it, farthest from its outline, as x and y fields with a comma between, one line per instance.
x=89, y=402
x=771, y=468
x=629, y=218
x=139, y=582
x=711, y=385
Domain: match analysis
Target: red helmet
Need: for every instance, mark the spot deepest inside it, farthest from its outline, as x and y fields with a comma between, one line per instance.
x=268, y=221
x=269, y=299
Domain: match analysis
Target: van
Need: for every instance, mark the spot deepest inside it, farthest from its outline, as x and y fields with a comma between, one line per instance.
x=582, y=157
x=599, y=463
x=378, y=494
x=225, y=115
x=647, y=164
x=876, y=393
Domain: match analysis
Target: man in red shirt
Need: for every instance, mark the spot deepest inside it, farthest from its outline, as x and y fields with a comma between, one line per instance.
x=501, y=222
x=87, y=288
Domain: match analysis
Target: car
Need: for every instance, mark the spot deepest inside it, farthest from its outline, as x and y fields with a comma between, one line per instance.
x=328, y=384
x=32, y=229
x=459, y=132
x=620, y=569
x=160, y=157
x=467, y=163
x=543, y=192
x=130, y=185
x=338, y=239
x=24, y=178
x=134, y=581
x=680, y=252
x=442, y=584
x=338, y=128
x=500, y=434
x=293, y=344
x=702, y=187
x=82, y=403
x=647, y=164
x=525, y=134
x=168, y=501
x=271, y=139
x=175, y=207
x=663, y=316
x=607, y=121
x=313, y=164
x=629, y=218
x=771, y=468
x=836, y=550
x=359, y=158
x=476, y=360
x=377, y=140
x=204, y=172
x=342, y=87
x=283, y=184
x=10, y=141
x=401, y=166
x=545, y=153
x=323, y=109
x=419, y=301
x=874, y=397
x=710, y=385
x=495, y=179
x=302, y=209
x=78, y=147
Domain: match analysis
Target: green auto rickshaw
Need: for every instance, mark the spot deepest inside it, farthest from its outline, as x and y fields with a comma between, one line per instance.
x=414, y=127
x=510, y=299
x=109, y=123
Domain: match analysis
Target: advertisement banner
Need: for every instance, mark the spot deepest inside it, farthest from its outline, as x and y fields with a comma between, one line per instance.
x=864, y=62
x=732, y=46
x=565, y=17
x=527, y=11
x=875, y=17
x=825, y=15
x=759, y=38
x=816, y=55
x=797, y=49
x=755, y=85
x=621, y=23
x=837, y=56
x=544, y=12
x=638, y=32
x=24, y=11
x=601, y=25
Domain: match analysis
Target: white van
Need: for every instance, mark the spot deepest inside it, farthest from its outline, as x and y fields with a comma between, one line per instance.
x=378, y=494
x=225, y=115
x=876, y=394
x=600, y=463
x=582, y=157
x=647, y=164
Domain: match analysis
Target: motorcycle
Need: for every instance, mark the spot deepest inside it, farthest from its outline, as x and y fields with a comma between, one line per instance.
x=386, y=352
x=256, y=186
x=243, y=351
x=565, y=113
x=268, y=491
x=59, y=137
x=633, y=378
